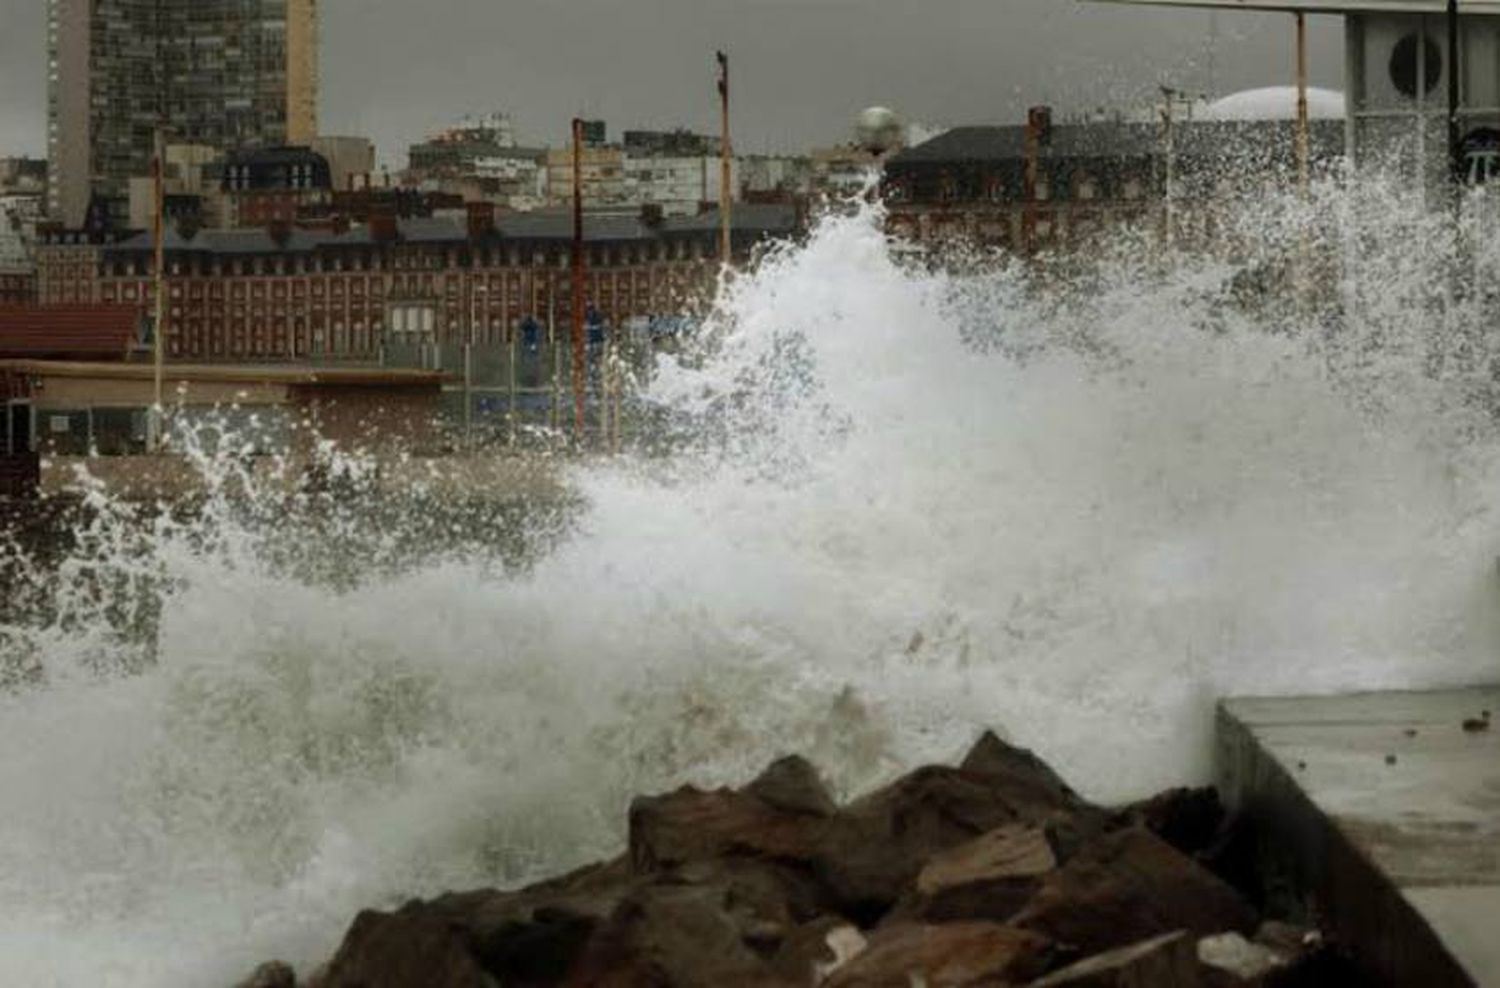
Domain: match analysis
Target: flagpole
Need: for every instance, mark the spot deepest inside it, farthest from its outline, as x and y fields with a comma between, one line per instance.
x=726, y=168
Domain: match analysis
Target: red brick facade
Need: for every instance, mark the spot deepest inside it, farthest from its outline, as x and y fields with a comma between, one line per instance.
x=17, y=287
x=244, y=297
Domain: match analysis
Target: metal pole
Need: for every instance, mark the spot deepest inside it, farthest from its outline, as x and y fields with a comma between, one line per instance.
x=1170, y=121
x=615, y=367
x=1033, y=152
x=158, y=329
x=726, y=168
x=557, y=405
x=469, y=365
x=606, y=403
x=510, y=417
x=1454, y=79
x=1304, y=144
x=580, y=368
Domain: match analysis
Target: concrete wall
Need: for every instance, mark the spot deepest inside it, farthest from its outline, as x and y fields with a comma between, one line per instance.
x=302, y=77
x=86, y=392
x=366, y=418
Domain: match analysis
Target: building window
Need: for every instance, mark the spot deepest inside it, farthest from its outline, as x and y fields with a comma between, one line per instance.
x=1415, y=53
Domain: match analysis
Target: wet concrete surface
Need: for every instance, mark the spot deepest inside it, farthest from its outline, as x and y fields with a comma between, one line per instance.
x=1390, y=804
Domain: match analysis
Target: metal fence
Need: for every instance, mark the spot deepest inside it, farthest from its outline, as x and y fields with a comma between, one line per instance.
x=524, y=390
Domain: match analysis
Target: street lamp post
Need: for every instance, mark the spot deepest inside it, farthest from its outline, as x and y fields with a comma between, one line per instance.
x=1455, y=140
x=1304, y=139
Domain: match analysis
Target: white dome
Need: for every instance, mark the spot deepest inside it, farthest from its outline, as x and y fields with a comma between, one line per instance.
x=878, y=116
x=879, y=129
x=1275, y=103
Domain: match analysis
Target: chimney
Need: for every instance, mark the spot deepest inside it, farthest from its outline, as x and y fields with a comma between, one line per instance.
x=280, y=231
x=188, y=225
x=382, y=224
x=1039, y=121
x=652, y=215
x=481, y=219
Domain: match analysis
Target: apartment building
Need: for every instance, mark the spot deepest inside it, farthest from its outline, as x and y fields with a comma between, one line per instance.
x=222, y=73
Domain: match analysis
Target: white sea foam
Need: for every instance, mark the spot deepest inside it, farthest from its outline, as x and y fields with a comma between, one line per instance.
x=1076, y=507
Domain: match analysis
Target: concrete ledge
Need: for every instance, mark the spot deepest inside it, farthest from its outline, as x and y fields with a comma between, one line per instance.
x=1385, y=811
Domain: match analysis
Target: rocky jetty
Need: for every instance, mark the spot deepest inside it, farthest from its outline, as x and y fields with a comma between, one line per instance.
x=994, y=873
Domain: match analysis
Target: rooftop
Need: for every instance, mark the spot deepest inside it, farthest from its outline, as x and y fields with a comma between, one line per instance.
x=108, y=331
x=546, y=225
x=229, y=373
x=1204, y=139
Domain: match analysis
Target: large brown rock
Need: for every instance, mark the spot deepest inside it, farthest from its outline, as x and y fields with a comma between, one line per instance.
x=780, y=815
x=991, y=877
x=683, y=936
x=873, y=850
x=406, y=949
x=693, y=825
x=1019, y=769
x=793, y=785
x=535, y=935
x=1188, y=819
x=1167, y=961
x=1129, y=886
x=944, y=956
x=530, y=937
x=1012, y=851
x=272, y=974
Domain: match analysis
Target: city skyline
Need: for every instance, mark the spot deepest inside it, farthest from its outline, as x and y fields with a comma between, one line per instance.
x=395, y=72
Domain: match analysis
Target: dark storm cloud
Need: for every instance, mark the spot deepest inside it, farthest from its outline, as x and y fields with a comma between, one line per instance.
x=394, y=69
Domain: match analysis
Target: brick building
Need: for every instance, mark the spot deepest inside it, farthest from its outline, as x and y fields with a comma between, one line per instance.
x=285, y=293
x=17, y=287
x=265, y=186
x=969, y=184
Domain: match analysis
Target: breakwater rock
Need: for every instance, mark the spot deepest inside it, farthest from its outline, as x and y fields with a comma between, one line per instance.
x=993, y=873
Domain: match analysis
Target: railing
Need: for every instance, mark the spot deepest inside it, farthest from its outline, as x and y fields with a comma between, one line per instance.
x=511, y=389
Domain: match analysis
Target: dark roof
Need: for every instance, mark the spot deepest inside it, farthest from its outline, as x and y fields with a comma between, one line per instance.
x=294, y=375
x=557, y=224
x=275, y=168
x=1195, y=139
x=280, y=155
x=248, y=241
x=92, y=331
x=756, y=219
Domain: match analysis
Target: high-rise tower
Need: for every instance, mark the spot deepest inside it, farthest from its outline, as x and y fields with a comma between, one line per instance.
x=223, y=73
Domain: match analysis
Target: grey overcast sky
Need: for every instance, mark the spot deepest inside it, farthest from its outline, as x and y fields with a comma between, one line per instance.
x=395, y=69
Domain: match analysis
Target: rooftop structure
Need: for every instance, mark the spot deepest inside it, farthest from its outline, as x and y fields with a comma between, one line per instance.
x=1274, y=103
x=73, y=332
x=351, y=160
x=679, y=143
x=23, y=176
